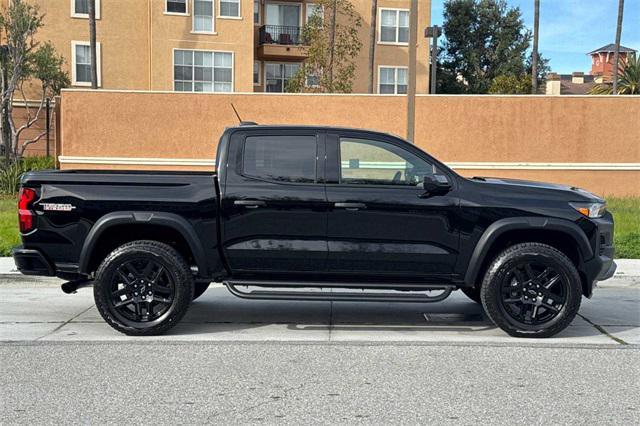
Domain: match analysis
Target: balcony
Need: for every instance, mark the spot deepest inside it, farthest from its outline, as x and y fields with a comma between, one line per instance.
x=281, y=42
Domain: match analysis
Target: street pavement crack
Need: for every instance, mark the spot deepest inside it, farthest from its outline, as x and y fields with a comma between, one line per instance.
x=271, y=399
x=64, y=323
x=603, y=331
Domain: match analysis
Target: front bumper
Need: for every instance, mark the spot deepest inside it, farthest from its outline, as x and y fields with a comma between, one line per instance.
x=32, y=262
x=601, y=267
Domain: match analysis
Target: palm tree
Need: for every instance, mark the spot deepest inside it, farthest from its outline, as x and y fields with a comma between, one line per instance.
x=372, y=43
x=92, y=43
x=628, y=80
x=616, y=57
x=534, y=54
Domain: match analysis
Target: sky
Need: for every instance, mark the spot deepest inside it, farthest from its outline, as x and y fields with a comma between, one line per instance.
x=569, y=29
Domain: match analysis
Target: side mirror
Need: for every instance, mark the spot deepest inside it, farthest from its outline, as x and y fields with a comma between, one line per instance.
x=435, y=185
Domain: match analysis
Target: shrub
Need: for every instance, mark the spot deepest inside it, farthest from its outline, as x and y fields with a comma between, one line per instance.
x=10, y=174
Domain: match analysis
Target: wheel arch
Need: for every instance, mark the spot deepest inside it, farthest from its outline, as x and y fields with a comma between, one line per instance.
x=564, y=235
x=145, y=226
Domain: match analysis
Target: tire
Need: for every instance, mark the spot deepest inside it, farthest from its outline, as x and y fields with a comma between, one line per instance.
x=472, y=293
x=199, y=289
x=531, y=290
x=143, y=277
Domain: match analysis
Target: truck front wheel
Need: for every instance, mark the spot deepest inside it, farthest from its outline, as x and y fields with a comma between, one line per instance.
x=531, y=290
x=143, y=288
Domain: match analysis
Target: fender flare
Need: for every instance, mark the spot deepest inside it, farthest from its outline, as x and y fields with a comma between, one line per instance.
x=499, y=227
x=169, y=220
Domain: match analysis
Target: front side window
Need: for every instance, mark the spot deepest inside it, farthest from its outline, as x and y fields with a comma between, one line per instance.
x=278, y=76
x=230, y=8
x=177, y=6
x=392, y=81
x=203, y=16
x=370, y=162
x=198, y=71
x=280, y=158
x=394, y=26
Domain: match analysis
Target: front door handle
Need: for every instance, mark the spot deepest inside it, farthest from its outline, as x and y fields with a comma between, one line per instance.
x=249, y=204
x=350, y=206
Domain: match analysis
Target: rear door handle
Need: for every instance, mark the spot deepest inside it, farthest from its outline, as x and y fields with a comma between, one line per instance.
x=350, y=206
x=249, y=204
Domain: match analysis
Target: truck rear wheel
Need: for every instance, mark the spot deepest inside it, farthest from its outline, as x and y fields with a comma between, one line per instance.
x=143, y=288
x=531, y=290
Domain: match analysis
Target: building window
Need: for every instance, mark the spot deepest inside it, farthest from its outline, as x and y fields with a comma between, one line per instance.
x=80, y=9
x=256, y=12
x=256, y=73
x=202, y=71
x=314, y=10
x=203, y=16
x=278, y=75
x=179, y=7
x=81, y=63
x=394, y=26
x=229, y=8
x=392, y=80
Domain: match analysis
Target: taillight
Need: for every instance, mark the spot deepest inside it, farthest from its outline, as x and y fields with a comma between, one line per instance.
x=25, y=216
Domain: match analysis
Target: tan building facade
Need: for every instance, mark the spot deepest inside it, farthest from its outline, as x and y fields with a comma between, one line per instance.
x=220, y=45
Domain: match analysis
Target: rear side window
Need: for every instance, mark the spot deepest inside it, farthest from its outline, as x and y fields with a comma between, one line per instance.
x=280, y=158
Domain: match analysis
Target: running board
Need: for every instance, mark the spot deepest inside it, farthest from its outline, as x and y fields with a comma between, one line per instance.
x=405, y=296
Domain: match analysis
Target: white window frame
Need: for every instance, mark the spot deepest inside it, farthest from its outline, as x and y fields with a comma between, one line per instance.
x=186, y=13
x=259, y=13
x=259, y=72
x=379, y=25
x=74, y=81
x=239, y=17
x=84, y=15
x=173, y=69
x=395, y=78
x=213, y=20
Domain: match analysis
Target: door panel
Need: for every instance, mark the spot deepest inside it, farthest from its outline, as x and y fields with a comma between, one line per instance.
x=380, y=224
x=275, y=209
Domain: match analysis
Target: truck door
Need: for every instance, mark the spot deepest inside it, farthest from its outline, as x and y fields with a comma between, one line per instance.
x=381, y=225
x=274, y=206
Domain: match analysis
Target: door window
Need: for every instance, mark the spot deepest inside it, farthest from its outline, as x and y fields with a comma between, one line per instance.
x=280, y=158
x=369, y=162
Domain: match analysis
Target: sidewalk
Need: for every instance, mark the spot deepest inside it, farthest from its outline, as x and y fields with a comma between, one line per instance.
x=627, y=268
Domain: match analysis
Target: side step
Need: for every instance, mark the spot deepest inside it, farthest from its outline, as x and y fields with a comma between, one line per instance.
x=351, y=296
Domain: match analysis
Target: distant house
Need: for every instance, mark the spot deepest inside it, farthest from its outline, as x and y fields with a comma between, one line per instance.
x=579, y=83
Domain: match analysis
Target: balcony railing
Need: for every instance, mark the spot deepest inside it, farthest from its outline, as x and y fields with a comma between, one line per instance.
x=280, y=34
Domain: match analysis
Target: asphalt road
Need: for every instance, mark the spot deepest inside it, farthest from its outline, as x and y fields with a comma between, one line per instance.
x=237, y=361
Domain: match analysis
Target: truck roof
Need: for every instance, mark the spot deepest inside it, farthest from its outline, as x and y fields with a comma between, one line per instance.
x=250, y=124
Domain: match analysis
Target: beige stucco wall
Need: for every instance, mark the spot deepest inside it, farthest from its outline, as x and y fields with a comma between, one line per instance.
x=492, y=130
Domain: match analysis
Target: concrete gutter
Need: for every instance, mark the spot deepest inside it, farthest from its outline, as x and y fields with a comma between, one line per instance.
x=627, y=268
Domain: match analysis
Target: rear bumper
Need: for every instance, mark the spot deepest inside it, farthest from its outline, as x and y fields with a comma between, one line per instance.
x=32, y=262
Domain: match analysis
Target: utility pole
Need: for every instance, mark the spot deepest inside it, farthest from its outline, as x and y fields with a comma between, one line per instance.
x=433, y=33
x=616, y=56
x=411, y=93
x=92, y=43
x=534, y=55
x=372, y=43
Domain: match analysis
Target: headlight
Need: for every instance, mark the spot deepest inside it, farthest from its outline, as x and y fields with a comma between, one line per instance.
x=591, y=210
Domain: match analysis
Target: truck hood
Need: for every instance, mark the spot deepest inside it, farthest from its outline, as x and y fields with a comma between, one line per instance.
x=578, y=193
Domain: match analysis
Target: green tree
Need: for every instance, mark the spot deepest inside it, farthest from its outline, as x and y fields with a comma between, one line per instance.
x=484, y=39
x=511, y=85
x=332, y=46
x=628, y=80
x=24, y=61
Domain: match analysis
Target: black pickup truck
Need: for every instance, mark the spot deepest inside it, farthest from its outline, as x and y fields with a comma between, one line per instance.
x=295, y=212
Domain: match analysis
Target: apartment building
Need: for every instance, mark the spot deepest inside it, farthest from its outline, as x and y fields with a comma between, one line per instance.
x=220, y=45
